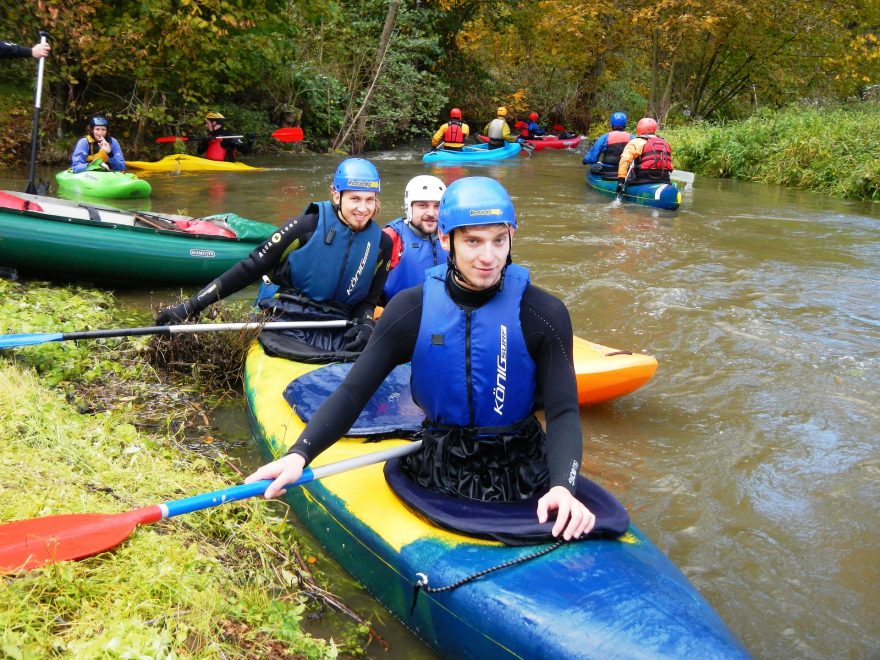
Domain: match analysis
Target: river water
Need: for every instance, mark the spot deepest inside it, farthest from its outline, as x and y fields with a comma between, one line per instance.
x=752, y=457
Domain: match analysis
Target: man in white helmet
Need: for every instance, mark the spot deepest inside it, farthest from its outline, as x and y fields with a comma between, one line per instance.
x=416, y=246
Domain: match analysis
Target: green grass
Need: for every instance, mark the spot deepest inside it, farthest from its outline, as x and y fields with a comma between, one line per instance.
x=221, y=583
x=827, y=150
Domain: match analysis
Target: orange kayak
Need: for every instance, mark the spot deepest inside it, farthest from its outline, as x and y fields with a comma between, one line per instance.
x=605, y=373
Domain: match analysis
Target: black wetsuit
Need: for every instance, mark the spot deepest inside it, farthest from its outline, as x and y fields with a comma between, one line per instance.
x=271, y=255
x=9, y=49
x=547, y=330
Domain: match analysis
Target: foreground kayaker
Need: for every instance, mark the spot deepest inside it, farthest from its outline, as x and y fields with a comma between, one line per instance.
x=97, y=149
x=648, y=153
x=329, y=263
x=485, y=347
x=216, y=145
x=605, y=153
x=415, y=244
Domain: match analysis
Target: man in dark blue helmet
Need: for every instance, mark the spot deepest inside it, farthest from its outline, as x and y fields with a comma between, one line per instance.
x=328, y=263
x=486, y=346
x=605, y=153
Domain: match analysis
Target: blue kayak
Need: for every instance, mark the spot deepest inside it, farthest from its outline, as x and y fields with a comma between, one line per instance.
x=605, y=598
x=659, y=195
x=478, y=153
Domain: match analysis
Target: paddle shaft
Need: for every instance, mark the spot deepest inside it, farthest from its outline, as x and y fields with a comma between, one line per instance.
x=290, y=134
x=244, y=491
x=35, y=133
x=10, y=341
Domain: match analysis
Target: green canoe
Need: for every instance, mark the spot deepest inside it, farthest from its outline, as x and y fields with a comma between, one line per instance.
x=64, y=240
x=106, y=185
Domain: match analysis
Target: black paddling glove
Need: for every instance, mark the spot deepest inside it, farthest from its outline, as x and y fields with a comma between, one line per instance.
x=357, y=336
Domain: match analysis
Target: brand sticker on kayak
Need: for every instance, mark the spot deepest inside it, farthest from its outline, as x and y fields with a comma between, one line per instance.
x=199, y=252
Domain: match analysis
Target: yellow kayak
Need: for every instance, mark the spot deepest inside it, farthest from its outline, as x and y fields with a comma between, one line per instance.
x=187, y=163
x=606, y=373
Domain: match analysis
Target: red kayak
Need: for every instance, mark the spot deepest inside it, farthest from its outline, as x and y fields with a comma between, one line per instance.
x=549, y=142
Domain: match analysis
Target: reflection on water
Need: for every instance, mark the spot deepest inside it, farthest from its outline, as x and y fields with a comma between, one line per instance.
x=752, y=457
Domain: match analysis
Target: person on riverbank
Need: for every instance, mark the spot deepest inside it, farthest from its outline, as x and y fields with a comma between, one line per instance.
x=649, y=155
x=534, y=128
x=415, y=243
x=217, y=144
x=605, y=153
x=9, y=49
x=453, y=133
x=498, y=131
x=477, y=444
x=98, y=149
x=329, y=263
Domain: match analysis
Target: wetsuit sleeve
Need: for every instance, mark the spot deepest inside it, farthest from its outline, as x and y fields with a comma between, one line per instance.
x=377, y=286
x=9, y=49
x=392, y=343
x=261, y=261
x=547, y=328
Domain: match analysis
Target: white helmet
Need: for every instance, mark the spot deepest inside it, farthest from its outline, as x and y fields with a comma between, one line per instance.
x=422, y=188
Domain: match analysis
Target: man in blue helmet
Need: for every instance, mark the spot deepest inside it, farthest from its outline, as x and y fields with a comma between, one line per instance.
x=605, y=153
x=487, y=349
x=328, y=263
x=97, y=150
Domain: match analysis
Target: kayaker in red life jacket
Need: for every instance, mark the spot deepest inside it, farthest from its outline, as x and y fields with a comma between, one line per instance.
x=649, y=154
x=214, y=146
x=415, y=244
x=534, y=128
x=328, y=263
x=97, y=149
x=481, y=439
x=498, y=131
x=605, y=153
x=453, y=133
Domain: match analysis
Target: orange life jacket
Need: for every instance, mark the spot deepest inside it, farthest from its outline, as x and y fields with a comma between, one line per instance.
x=454, y=134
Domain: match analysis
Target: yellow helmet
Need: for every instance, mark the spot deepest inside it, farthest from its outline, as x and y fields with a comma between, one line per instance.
x=214, y=115
x=501, y=111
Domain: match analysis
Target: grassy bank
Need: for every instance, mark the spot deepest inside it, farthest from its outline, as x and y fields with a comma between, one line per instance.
x=224, y=583
x=826, y=150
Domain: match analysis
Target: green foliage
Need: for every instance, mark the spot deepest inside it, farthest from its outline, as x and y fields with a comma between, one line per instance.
x=824, y=150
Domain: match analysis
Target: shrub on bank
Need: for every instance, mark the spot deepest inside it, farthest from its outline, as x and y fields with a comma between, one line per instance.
x=827, y=150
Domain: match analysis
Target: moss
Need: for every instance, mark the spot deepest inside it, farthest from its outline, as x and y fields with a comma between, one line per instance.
x=218, y=583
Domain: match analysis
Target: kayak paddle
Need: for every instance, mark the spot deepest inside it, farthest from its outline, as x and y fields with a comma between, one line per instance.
x=35, y=133
x=15, y=341
x=291, y=134
x=29, y=544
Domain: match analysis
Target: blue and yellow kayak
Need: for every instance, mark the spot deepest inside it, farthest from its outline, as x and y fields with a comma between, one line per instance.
x=590, y=599
x=478, y=153
x=659, y=195
x=102, y=184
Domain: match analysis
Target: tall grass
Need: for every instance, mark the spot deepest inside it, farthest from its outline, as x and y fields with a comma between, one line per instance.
x=835, y=151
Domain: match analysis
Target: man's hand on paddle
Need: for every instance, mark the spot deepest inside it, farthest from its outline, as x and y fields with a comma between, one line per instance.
x=571, y=515
x=284, y=471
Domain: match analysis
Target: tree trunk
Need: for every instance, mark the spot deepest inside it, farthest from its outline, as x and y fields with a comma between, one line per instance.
x=359, y=121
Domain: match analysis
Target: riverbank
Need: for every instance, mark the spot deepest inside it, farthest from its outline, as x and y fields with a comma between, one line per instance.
x=227, y=582
x=825, y=150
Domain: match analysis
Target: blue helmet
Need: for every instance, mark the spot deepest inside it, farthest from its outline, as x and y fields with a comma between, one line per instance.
x=475, y=200
x=98, y=120
x=356, y=174
x=618, y=120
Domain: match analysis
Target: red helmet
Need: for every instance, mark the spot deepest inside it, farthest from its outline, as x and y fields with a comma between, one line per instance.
x=455, y=113
x=646, y=126
x=533, y=116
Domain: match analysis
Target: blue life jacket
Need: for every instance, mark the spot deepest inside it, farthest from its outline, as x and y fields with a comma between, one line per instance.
x=336, y=264
x=473, y=369
x=419, y=254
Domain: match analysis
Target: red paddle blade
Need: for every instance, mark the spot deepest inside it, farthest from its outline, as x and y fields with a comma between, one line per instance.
x=292, y=134
x=29, y=544
x=171, y=138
